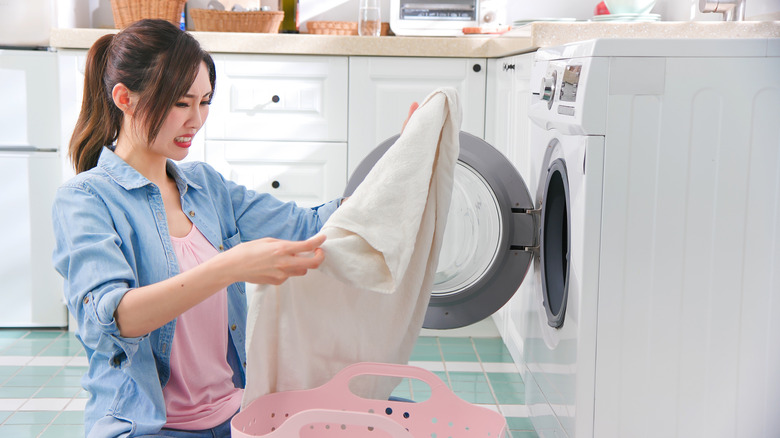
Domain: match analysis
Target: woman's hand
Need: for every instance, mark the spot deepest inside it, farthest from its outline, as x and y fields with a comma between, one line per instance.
x=412, y=109
x=262, y=261
x=272, y=261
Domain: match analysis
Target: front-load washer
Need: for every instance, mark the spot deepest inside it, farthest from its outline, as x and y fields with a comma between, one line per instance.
x=650, y=310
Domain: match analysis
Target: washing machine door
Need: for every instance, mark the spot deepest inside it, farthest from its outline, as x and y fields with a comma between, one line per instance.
x=490, y=236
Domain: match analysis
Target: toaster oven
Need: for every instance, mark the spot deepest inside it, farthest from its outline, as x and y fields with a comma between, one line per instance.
x=443, y=17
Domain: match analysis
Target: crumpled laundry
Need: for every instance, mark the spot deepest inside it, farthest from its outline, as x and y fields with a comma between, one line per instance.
x=368, y=299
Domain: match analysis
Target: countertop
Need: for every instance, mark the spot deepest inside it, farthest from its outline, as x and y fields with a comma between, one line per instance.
x=520, y=40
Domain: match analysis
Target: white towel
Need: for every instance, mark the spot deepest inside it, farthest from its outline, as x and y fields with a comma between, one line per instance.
x=368, y=299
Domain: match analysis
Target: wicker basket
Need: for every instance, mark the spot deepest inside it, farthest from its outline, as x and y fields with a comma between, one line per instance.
x=128, y=11
x=211, y=20
x=339, y=28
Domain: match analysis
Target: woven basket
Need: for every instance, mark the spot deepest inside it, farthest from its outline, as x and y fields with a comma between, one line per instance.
x=339, y=28
x=211, y=20
x=128, y=11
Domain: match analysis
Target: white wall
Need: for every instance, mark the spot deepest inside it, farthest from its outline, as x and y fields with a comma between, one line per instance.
x=97, y=13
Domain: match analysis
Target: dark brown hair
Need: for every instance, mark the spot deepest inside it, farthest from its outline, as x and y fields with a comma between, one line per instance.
x=152, y=58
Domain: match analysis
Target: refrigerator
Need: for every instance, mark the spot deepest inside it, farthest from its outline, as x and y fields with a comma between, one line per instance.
x=30, y=172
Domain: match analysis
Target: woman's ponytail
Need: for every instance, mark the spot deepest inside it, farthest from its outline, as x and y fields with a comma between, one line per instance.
x=99, y=121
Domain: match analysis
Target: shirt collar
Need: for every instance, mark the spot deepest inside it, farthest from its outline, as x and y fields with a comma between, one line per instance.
x=129, y=178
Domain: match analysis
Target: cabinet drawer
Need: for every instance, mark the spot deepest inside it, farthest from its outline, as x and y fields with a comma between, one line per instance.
x=293, y=98
x=305, y=172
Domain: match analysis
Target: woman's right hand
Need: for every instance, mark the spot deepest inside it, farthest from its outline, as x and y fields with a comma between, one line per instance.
x=272, y=261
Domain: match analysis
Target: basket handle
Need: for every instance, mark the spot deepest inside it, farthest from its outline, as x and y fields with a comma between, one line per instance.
x=342, y=378
x=344, y=419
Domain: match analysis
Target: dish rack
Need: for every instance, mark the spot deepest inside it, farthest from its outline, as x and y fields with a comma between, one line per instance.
x=340, y=28
x=333, y=410
x=127, y=12
x=211, y=20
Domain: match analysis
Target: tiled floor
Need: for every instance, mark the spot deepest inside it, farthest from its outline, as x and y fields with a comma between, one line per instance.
x=41, y=396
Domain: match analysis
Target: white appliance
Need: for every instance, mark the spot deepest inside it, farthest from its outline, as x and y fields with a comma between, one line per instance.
x=30, y=288
x=444, y=17
x=651, y=310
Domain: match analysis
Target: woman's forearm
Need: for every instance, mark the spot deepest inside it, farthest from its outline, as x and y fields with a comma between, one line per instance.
x=147, y=308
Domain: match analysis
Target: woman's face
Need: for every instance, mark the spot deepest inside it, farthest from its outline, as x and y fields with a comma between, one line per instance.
x=185, y=119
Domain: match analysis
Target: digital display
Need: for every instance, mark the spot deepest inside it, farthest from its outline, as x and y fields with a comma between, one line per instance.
x=465, y=10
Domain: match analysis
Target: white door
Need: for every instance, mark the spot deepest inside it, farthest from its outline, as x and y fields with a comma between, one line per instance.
x=31, y=290
x=381, y=89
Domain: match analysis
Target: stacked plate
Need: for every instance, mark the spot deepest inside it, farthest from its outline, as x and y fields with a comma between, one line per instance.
x=518, y=23
x=627, y=18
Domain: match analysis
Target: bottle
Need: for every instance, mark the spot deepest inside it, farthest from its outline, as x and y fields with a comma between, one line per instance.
x=290, y=22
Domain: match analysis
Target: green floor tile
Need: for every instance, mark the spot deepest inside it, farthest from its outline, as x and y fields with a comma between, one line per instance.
x=460, y=357
x=504, y=377
x=60, y=380
x=70, y=417
x=496, y=358
x=17, y=392
x=451, y=342
x=480, y=398
x=39, y=371
x=19, y=380
x=21, y=430
x=31, y=417
x=72, y=371
x=6, y=371
x=427, y=340
x=44, y=334
x=458, y=387
x=519, y=423
x=83, y=394
x=12, y=334
x=426, y=356
x=467, y=376
x=510, y=398
x=4, y=415
x=58, y=392
x=26, y=348
x=523, y=434
x=63, y=431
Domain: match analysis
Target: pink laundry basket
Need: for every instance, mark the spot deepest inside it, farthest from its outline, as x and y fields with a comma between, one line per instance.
x=333, y=410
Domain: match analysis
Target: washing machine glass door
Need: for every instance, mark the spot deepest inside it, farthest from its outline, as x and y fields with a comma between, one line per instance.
x=489, y=239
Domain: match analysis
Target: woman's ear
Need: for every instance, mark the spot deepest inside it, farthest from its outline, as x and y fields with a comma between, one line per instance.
x=122, y=98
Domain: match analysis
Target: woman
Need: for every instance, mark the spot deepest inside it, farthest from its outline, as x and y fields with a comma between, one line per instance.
x=154, y=253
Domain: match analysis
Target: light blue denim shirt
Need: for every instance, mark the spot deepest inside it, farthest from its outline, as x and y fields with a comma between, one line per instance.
x=112, y=236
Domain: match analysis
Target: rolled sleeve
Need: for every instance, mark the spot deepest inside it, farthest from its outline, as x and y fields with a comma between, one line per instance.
x=95, y=270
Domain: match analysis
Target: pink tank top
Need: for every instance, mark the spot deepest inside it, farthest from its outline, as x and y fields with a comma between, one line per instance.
x=200, y=393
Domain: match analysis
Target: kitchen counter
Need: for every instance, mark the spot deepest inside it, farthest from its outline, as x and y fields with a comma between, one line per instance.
x=524, y=39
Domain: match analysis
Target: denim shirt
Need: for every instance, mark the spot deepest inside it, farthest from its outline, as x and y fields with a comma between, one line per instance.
x=112, y=236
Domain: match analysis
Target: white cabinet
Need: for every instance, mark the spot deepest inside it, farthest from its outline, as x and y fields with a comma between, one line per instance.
x=507, y=128
x=277, y=97
x=382, y=88
x=278, y=124
x=506, y=109
x=308, y=173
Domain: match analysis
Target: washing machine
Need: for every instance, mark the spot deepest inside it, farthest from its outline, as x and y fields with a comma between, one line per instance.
x=629, y=249
x=650, y=308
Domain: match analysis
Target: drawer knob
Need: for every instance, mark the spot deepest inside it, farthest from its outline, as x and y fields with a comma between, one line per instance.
x=275, y=184
x=275, y=99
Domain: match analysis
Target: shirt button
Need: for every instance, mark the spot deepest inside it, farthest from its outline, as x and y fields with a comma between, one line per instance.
x=86, y=299
x=221, y=248
x=192, y=213
x=233, y=327
x=244, y=364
